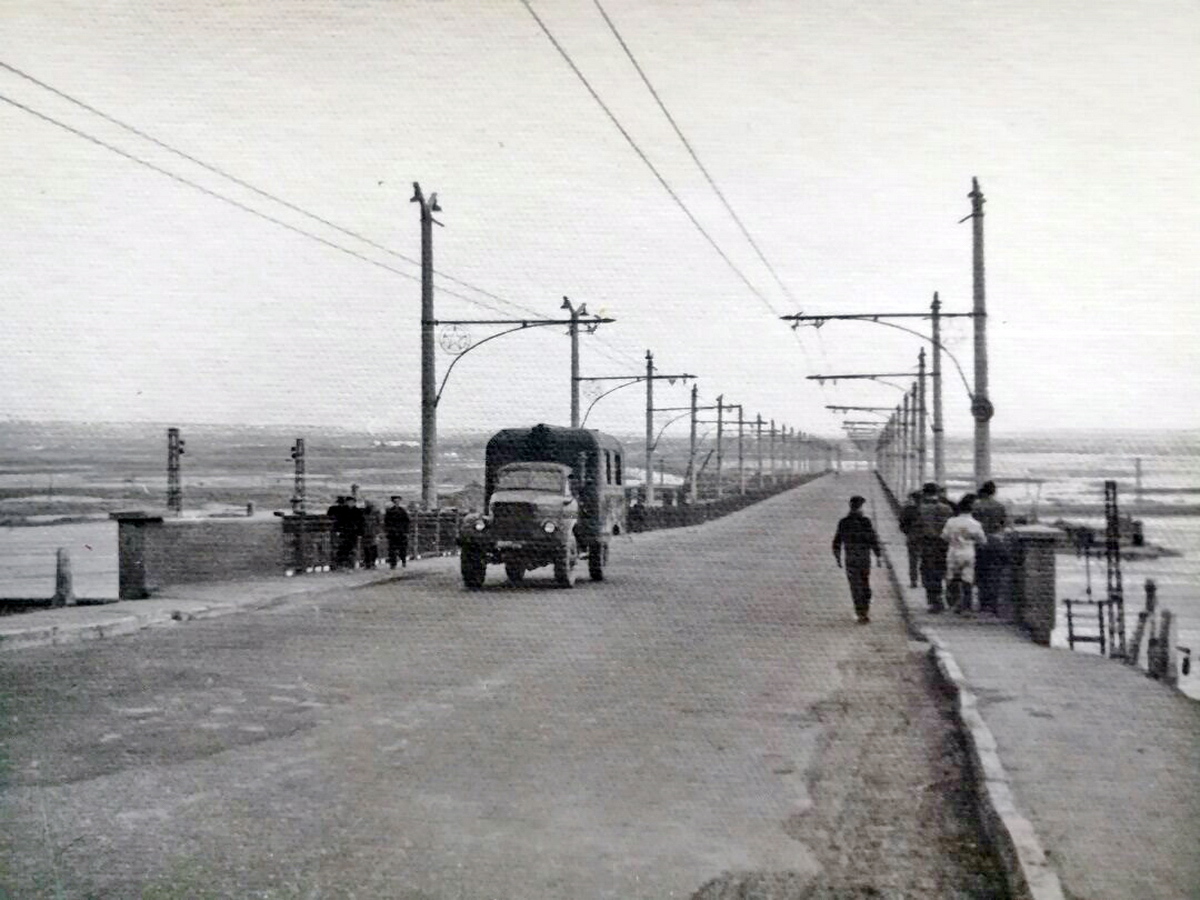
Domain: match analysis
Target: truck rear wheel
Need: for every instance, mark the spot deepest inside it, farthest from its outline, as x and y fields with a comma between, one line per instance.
x=474, y=568
x=564, y=566
x=597, y=560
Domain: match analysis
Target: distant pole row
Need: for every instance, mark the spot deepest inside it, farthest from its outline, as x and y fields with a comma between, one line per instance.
x=980, y=404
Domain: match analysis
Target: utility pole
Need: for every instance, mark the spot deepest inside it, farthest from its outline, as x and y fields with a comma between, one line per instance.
x=921, y=461
x=741, y=451
x=772, y=453
x=939, y=445
x=429, y=498
x=573, y=328
x=692, y=449
x=174, y=472
x=758, y=448
x=981, y=406
x=720, y=444
x=649, y=500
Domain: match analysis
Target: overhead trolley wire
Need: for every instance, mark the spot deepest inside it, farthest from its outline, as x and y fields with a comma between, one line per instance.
x=644, y=158
x=262, y=193
x=242, y=206
x=691, y=151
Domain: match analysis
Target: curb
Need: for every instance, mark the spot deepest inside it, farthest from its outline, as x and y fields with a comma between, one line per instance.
x=1030, y=874
x=1027, y=870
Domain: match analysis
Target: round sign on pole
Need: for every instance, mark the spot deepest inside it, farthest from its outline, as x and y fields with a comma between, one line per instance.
x=455, y=339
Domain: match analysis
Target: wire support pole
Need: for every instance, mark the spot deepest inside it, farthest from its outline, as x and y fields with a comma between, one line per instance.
x=981, y=406
x=429, y=394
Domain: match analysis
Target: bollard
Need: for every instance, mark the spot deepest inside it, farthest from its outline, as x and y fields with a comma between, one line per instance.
x=64, y=588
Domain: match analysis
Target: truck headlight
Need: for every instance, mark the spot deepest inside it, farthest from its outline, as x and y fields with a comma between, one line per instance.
x=549, y=527
x=480, y=524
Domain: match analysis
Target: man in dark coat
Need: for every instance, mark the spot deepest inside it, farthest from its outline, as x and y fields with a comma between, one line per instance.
x=910, y=519
x=990, y=558
x=395, y=525
x=856, y=535
x=343, y=533
x=933, y=512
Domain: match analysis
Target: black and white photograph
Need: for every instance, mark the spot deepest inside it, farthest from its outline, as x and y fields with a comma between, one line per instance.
x=584, y=449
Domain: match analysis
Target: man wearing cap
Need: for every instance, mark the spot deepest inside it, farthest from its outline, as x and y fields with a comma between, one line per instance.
x=395, y=525
x=910, y=528
x=857, y=535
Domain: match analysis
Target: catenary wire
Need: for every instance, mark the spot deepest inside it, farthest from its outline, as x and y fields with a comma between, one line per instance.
x=242, y=206
x=257, y=190
x=644, y=158
x=691, y=151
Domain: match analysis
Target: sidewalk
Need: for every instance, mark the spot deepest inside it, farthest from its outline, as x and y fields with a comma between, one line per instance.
x=1089, y=772
x=185, y=602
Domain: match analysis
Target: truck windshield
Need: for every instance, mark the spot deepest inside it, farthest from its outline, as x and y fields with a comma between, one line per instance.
x=529, y=479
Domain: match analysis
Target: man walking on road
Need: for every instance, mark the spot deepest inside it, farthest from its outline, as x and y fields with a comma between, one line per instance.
x=856, y=533
x=395, y=524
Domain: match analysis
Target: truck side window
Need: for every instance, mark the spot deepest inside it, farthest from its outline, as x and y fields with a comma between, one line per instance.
x=608, y=467
x=617, y=457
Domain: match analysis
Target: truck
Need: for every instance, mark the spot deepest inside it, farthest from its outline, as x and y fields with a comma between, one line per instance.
x=552, y=496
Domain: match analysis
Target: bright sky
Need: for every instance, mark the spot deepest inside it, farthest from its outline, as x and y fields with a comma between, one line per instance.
x=844, y=136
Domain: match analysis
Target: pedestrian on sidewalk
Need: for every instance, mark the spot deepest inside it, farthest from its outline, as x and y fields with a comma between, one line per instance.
x=395, y=524
x=372, y=524
x=910, y=522
x=962, y=533
x=933, y=512
x=992, y=556
x=857, y=535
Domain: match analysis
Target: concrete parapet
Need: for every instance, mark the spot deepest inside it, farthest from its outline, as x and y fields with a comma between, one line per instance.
x=154, y=552
x=1033, y=594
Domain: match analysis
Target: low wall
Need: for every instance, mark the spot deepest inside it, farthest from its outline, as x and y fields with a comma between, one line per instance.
x=154, y=552
x=680, y=515
x=1029, y=594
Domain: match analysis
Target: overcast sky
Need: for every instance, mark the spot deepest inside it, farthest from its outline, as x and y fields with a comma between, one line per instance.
x=845, y=136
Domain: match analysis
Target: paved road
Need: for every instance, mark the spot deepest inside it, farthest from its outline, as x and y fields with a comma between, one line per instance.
x=707, y=722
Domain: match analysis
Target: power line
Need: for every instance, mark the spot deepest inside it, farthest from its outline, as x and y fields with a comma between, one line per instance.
x=257, y=190
x=644, y=158
x=691, y=151
x=242, y=206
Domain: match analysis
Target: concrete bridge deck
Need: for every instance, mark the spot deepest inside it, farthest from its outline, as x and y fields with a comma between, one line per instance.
x=708, y=720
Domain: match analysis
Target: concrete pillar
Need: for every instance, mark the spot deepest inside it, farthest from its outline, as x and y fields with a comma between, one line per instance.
x=1033, y=593
x=131, y=553
x=64, y=588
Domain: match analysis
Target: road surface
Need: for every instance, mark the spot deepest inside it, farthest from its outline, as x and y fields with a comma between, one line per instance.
x=708, y=722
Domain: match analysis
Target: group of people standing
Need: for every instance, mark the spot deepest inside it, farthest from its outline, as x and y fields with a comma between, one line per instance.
x=356, y=531
x=955, y=548
x=952, y=548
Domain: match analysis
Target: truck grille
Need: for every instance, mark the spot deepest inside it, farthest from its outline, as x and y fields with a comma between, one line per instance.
x=514, y=521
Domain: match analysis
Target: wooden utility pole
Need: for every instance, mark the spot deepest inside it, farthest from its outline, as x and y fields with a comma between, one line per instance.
x=758, y=420
x=429, y=499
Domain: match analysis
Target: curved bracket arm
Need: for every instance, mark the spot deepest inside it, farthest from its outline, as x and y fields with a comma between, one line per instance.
x=654, y=446
x=490, y=337
x=635, y=380
x=937, y=344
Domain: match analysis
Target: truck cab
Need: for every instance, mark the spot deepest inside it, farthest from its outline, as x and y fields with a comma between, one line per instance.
x=552, y=496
